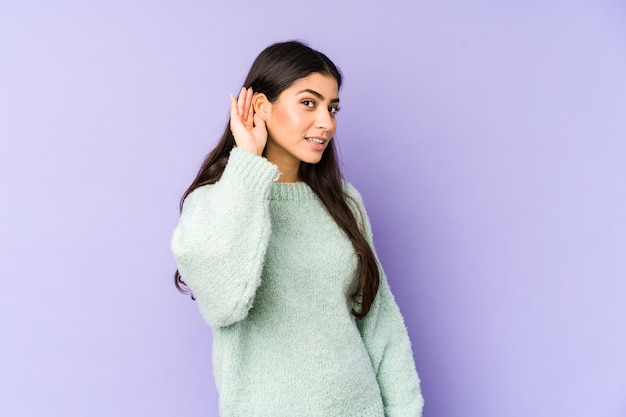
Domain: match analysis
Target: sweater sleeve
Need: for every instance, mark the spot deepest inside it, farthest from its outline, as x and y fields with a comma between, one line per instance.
x=220, y=241
x=387, y=341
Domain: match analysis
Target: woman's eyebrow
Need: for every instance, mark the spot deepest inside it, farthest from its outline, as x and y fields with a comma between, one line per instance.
x=318, y=95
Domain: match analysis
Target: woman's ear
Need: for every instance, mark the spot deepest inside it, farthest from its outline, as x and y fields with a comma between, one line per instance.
x=262, y=106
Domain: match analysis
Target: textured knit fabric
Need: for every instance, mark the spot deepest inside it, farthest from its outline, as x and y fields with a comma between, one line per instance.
x=271, y=273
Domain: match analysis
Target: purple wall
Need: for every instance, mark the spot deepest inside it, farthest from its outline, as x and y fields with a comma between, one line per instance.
x=488, y=140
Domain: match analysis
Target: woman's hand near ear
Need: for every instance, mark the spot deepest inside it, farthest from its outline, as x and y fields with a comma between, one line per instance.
x=247, y=127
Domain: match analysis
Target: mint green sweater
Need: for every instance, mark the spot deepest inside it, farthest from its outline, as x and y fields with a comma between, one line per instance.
x=271, y=273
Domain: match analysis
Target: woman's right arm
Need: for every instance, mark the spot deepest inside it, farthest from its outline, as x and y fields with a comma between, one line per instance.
x=221, y=237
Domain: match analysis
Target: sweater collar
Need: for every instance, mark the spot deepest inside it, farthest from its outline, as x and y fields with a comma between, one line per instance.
x=292, y=191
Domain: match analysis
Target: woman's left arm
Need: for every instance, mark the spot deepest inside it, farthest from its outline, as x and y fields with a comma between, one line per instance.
x=387, y=341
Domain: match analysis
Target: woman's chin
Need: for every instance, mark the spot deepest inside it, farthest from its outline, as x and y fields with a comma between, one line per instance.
x=313, y=159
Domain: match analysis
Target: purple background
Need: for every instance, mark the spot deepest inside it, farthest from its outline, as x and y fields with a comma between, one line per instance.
x=488, y=141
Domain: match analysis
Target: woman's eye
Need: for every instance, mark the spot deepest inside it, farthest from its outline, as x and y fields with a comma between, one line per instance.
x=334, y=110
x=309, y=103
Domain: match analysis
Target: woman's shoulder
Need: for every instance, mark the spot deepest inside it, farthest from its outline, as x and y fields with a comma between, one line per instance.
x=353, y=194
x=351, y=190
x=355, y=201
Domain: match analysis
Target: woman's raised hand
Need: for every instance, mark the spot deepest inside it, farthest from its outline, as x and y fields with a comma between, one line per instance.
x=247, y=127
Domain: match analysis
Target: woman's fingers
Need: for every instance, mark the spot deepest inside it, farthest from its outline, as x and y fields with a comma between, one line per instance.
x=247, y=107
x=247, y=127
x=234, y=113
x=250, y=115
x=244, y=107
x=241, y=101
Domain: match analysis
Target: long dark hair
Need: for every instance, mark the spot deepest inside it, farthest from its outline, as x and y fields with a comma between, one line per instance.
x=274, y=70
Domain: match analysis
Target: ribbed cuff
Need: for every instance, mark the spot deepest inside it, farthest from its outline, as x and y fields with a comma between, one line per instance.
x=252, y=171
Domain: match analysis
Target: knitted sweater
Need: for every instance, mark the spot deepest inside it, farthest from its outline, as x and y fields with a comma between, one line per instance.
x=271, y=273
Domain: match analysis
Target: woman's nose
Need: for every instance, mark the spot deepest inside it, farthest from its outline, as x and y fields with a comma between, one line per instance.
x=324, y=119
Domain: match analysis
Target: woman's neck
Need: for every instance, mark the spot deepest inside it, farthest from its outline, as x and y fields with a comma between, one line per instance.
x=289, y=168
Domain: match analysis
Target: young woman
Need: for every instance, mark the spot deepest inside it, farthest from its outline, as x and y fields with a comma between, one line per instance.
x=277, y=250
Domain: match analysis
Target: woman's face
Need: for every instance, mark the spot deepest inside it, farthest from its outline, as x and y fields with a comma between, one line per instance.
x=302, y=121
